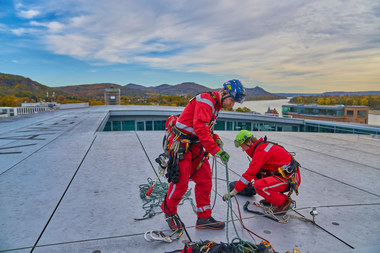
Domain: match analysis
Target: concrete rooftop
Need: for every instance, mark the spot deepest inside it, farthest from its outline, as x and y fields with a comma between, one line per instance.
x=65, y=187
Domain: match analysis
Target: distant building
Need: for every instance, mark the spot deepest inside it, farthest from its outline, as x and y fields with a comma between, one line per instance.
x=341, y=113
x=273, y=112
x=112, y=96
x=8, y=112
x=39, y=106
x=28, y=108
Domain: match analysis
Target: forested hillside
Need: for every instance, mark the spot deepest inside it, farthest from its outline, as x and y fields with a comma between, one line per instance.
x=16, y=89
x=372, y=101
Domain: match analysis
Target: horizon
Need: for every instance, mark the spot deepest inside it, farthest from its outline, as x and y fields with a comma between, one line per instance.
x=291, y=47
x=123, y=85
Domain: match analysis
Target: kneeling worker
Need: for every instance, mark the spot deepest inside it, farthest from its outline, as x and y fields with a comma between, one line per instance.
x=273, y=169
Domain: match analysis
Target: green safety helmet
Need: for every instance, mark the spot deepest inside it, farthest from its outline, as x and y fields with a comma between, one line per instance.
x=241, y=137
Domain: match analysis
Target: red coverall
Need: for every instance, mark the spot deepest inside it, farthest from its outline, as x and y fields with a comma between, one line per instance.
x=195, y=120
x=268, y=157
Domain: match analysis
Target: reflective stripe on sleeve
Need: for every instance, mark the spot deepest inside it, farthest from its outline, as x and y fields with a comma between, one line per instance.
x=245, y=181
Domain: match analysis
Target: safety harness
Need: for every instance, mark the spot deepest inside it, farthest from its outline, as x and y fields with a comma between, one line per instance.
x=182, y=143
x=286, y=173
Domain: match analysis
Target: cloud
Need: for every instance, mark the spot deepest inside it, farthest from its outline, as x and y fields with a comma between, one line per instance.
x=54, y=26
x=29, y=14
x=19, y=31
x=268, y=41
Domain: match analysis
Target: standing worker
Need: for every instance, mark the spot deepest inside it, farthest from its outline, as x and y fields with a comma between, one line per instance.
x=274, y=170
x=191, y=141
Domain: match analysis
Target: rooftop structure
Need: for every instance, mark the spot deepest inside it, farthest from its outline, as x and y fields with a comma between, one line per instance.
x=112, y=96
x=272, y=112
x=68, y=186
x=342, y=113
x=28, y=108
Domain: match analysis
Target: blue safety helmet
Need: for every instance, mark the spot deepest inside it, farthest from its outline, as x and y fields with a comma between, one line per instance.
x=235, y=89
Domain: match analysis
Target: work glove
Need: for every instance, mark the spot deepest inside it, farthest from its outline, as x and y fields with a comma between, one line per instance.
x=220, y=143
x=224, y=156
x=232, y=194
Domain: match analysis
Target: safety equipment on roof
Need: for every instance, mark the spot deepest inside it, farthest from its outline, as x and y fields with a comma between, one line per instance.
x=241, y=137
x=235, y=90
x=163, y=158
x=170, y=122
x=162, y=161
x=287, y=173
x=161, y=236
x=184, y=136
x=265, y=209
x=234, y=247
x=173, y=169
x=181, y=143
x=224, y=156
x=249, y=190
x=174, y=222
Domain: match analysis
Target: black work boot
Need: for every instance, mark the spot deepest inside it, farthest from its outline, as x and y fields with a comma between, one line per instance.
x=284, y=207
x=173, y=222
x=210, y=222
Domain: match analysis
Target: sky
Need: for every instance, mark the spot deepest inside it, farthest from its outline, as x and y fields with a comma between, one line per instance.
x=281, y=46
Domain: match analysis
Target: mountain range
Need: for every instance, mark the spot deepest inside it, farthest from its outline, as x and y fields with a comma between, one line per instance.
x=20, y=86
x=25, y=87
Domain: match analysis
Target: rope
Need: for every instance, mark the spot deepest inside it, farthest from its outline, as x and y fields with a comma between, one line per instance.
x=241, y=221
x=157, y=196
x=229, y=209
x=241, y=245
x=216, y=180
x=269, y=210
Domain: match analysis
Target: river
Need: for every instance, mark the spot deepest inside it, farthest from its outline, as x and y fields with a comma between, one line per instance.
x=261, y=106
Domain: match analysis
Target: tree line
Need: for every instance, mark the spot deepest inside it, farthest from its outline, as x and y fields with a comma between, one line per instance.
x=372, y=101
x=163, y=100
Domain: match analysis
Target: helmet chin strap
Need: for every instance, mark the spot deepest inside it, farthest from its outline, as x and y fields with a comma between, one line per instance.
x=247, y=144
x=225, y=95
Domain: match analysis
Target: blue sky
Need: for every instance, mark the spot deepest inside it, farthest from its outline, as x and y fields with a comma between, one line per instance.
x=281, y=46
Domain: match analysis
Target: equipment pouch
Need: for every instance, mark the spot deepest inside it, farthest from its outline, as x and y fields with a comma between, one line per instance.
x=292, y=167
x=173, y=170
x=181, y=153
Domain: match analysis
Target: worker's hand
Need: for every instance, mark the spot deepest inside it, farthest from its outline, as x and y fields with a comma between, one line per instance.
x=220, y=143
x=232, y=194
x=223, y=156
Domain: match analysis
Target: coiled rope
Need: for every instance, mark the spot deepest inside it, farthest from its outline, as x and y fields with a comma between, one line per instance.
x=157, y=196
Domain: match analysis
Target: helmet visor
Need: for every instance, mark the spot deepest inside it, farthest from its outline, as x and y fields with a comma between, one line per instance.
x=238, y=97
x=238, y=143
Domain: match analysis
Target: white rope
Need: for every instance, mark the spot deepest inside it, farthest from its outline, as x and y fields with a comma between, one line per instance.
x=269, y=210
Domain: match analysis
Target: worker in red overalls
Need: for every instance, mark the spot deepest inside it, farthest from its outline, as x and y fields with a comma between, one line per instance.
x=272, y=168
x=191, y=141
